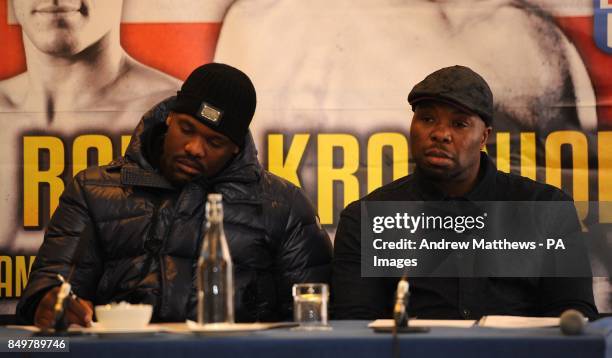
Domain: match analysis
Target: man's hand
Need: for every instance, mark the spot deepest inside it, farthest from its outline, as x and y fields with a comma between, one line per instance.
x=78, y=311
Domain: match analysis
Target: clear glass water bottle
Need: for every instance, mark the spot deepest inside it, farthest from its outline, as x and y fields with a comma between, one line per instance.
x=215, y=275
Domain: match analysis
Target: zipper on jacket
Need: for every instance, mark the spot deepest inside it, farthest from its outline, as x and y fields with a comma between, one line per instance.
x=162, y=265
x=152, y=249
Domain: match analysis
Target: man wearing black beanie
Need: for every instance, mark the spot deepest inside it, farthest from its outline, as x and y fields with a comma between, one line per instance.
x=131, y=230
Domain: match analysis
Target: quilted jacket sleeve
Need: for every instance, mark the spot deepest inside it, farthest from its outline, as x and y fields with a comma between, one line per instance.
x=306, y=253
x=69, y=239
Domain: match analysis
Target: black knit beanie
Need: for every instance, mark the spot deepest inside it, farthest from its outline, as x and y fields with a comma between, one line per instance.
x=221, y=97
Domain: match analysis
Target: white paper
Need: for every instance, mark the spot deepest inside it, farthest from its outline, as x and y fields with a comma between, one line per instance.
x=519, y=322
x=386, y=323
x=191, y=326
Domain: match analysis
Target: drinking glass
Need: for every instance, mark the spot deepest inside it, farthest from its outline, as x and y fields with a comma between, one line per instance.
x=310, y=305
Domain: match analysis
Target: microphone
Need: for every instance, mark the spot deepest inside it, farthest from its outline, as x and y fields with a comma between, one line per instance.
x=400, y=311
x=400, y=314
x=572, y=322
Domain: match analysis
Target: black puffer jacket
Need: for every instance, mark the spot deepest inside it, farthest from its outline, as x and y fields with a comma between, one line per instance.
x=136, y=238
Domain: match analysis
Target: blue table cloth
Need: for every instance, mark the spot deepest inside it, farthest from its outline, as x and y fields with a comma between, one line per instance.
x=353, y=339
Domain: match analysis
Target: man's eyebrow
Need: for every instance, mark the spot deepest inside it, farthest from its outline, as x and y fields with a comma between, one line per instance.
x=183, y=121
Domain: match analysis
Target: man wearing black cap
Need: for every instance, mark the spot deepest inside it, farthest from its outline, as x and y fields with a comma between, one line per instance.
x=131, y=230
x=453, y=113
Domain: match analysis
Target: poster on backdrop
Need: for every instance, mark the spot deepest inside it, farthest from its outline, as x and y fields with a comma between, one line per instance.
x=75, y=79
x=332, y=79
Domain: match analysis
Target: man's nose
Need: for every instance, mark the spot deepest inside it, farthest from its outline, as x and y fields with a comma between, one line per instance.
x=196, y=148
x=441, y=133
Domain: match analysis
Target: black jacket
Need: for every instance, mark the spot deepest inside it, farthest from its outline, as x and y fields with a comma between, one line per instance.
x=136, y=238
x=357, y=297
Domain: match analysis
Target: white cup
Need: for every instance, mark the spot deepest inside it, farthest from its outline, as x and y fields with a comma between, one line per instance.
x=124, y=315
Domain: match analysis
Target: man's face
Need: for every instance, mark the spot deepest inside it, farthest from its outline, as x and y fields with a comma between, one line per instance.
x=66, y=27
x=192, y=149
x=445, y=141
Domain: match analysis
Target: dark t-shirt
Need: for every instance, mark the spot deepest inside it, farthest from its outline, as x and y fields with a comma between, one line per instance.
x=356, y=297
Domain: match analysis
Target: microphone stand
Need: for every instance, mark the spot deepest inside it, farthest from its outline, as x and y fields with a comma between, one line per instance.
x=401, y=320
x=400, y=315
x=400, y=312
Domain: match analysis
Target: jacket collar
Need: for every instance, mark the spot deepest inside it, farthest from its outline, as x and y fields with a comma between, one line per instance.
x=483, y=191
x=244, y=168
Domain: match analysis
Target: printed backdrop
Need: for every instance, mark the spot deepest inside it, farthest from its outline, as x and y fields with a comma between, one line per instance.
x=332, y=77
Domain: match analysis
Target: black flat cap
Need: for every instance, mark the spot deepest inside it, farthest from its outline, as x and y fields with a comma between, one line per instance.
x=458, y=85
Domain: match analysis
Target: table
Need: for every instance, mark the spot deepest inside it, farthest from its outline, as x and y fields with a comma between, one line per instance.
x=353, y=339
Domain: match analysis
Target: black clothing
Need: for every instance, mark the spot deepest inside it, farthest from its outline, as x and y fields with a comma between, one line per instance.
x=139, y=237
x=354, y=297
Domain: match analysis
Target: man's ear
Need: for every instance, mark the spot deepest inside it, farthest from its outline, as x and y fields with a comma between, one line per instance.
x=169, y=119
x=236, y=149
x=485, y=136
